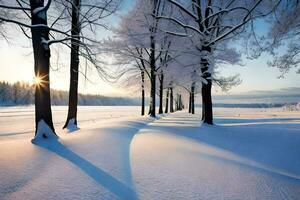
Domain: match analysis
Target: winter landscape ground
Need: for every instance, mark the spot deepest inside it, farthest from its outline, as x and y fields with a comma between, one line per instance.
x=98, y=100
x=248, y=154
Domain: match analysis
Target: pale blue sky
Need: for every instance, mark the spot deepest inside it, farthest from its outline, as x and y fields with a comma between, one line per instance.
x=16, y=64
x=256, y=75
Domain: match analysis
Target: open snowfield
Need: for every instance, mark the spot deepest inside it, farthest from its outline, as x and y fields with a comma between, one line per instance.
x=18, y=122
x=248, y=154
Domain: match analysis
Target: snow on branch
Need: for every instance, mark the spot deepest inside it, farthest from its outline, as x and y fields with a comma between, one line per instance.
x=181, y=7
x=41, y=11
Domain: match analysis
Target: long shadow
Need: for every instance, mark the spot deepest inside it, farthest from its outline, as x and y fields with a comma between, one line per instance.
x=245, y=165
x=97, y=174
x=257, y=142
x=19, y=177
x=122, y=137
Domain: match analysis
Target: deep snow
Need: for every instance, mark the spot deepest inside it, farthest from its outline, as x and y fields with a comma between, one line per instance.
x=248, y=154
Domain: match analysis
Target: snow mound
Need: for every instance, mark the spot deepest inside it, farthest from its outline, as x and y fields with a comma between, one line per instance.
x=43, y=131
x=72, y=126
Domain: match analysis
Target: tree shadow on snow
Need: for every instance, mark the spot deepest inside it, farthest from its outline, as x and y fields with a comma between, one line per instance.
x=98, y=175
x=248, y=165
x=23, y=173
x=274, y=146
x=123, y=136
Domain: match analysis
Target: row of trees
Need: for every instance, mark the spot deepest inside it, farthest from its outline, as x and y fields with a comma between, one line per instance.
x=22, y=93
x=19, y=93
x=170, y=44
x=166, y=44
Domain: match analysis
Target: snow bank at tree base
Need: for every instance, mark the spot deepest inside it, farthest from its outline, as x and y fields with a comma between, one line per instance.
x=173, y=157
x=43, y=132
x=72, y=126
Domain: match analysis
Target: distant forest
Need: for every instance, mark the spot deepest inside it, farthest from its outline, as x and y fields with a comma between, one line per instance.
x=22, y=93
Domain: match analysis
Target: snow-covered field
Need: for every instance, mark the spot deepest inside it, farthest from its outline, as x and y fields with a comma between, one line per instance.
x=18, y=122
x=248, y=154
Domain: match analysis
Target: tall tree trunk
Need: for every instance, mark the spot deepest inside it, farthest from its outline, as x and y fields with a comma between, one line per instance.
x=41, y=52
x=180, y=102
x=203, y=107
x=207, y=103
x=190, y=102
x=171, y=100
x=153, y=77
x=167, y=101
x=193, y=98
x=161, y=90
x=143, y=92
x=73, y=91
x=177, y=102
x=149, y=111
x=207, y=112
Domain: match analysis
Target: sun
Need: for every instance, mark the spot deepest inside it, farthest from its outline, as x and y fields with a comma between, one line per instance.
x=39, y=81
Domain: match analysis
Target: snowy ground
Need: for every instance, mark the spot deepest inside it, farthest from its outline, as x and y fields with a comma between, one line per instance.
x=18, y=122
x=248, y=154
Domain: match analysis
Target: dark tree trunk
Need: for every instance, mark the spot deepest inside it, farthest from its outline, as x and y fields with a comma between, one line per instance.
x=193, y=99
x=207, y=112
x=190, y=102
x=152, y=97
x=161, y=90
x=177, y=102
x=143, y=92
x=41, y=52
x=180, y=102
x=153, y=78
x=207, y=103
x=149, y=112
x=167, y=101
x=73, y=91
x=171, y=100
x=203, y=107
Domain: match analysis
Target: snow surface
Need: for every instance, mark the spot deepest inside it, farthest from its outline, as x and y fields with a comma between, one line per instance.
x=18, y=122
x=248, y=154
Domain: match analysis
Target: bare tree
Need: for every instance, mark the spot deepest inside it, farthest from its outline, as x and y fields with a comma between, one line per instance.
x=85, y=17
x=285, y=32
x=147, y=46
x=212, y=22
x=132, y=66
x=41, y=52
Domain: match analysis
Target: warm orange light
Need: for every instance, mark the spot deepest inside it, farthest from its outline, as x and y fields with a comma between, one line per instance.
x=39, y=81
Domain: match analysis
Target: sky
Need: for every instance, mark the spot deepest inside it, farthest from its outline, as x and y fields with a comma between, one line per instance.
x=16, y=64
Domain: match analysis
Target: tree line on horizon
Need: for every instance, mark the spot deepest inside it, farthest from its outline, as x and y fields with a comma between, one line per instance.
x=159, y=45
x=22, y=93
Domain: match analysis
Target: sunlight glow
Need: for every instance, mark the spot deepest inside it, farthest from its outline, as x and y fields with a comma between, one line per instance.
x=39, y=81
